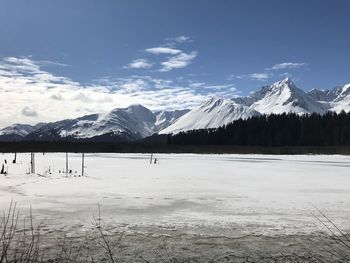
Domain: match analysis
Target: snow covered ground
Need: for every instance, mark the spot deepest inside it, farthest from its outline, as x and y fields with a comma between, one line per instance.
x=230, y=195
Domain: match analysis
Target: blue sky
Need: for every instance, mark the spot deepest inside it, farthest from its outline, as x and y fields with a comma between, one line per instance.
x=162, y=53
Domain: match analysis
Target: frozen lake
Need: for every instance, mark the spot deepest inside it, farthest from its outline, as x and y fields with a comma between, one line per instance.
x=223, y=194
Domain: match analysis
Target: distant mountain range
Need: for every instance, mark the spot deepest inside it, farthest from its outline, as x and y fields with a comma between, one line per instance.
x=126, y=124
x=136, y=121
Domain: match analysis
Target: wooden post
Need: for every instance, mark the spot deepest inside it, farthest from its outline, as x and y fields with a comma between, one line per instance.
x=32, y=163
x=82, y=164
x=67, y=154
x=66, y=163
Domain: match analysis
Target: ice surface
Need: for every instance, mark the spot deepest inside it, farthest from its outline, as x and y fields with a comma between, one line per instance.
x=240, y=194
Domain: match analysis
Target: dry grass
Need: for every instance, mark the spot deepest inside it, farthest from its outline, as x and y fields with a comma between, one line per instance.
x=22, y=241
x=337, y=245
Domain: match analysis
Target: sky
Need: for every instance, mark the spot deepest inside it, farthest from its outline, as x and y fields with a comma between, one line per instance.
x=67, y=58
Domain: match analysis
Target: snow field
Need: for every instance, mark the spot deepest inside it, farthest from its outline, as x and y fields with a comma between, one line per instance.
x=234, y=194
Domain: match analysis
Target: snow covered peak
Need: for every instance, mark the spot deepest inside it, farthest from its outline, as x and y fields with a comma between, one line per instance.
x=214, y=103
x=282, y=96
x=336, y=95
x=287, y=80
x=342, y=100
x=141, y=113
x=283, y=85
x=215, y=100
x=137, y=107
x=343, y=92
x=211, y=114
x=133, y=108
x=17, y=129
x=136, y=121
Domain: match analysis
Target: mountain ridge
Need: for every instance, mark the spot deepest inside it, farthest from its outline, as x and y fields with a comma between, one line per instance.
x=121, y=124
x=136, y=121
x=280, y=97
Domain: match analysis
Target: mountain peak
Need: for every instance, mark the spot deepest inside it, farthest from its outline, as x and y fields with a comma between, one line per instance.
x=287, y=79
x=17, y=129
x=287, y=82
x=137, y=106
x=282, y=96
x=214, y=99
x=132, y=107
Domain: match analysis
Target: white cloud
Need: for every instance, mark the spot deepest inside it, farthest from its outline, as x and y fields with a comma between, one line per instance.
x=288, y=65
x=163, y=51
x=179, y=39
x=259, y=76
x=196, y=84
x=254, y=76
x=179, y=61
x=176, y=58
x=51, y=63
x=223, y=87
x=132, y=85
x=30, y=94
x=139, y=64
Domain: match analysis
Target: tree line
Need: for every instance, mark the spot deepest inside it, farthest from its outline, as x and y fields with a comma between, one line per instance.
x=330, y=129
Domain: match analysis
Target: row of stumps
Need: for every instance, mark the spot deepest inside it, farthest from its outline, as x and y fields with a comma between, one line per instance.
x=32, y=164
x=4, y=169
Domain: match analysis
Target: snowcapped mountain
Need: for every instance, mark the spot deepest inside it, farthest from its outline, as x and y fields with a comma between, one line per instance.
x=129, y=123
x=211, y=114
x=323, y=95
x=121, y=124
x=282, y=97
x=336, y=99
x=342, y=102
x=342, y=93
x=17, y=131
x=166, y=118
x=136, y=121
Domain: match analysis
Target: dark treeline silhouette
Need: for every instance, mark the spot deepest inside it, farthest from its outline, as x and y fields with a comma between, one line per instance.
x=140, y=147
x=272, y=134
x=330, y=129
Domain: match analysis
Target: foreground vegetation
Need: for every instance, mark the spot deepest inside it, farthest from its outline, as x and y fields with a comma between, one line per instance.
x=22, y=241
